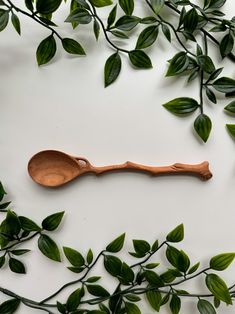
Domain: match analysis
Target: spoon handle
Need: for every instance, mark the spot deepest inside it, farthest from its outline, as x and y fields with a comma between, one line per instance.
x=201, y=170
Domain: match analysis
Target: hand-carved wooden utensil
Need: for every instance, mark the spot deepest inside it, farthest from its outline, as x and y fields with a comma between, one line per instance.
x=53, y=168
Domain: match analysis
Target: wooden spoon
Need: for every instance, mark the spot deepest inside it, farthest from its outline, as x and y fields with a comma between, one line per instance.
x=53, y=168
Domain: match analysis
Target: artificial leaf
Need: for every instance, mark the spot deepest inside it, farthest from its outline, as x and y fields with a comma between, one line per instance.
x=224, y=85
x=132, y=308
x=9, y=306
x=101, y=3
x=194, y=268
x=46, y=50
x=175, y=304
x=97, y=291
x=96, y=29
x=191, y=20
x=218, y=288
x=127, y=6
x=206, y=64
x=182, y=105
x=89, y=257
x=211, y=96
x=28, y=225
x=147, y=37
x=80, y=16
x=74, y=257
x=15, y=22
x=203, y=126
x=16, y=266
x=153, y=278
x=112, y=16
x=141, y=246
x=111, y=72
x=177, y=234
x=19, y=252
x=157, y=5
x=154, y=298
x=205, y=307
x=230, y=107
x=52, y=222
x=140, y=59
x=178, y=64
x=231, y=129
x=47, y=7
x=4, y=18
x=226, y=45
x=113, y=265
x=74, y=300
x=49, y=248
x=127, y=23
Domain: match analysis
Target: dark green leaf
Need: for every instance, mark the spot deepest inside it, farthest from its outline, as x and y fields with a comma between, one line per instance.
x=19, y=252
x=205, y=307
x=132, y=297
x=2, y=261
x=93, y=279
x=221, y=261
x=211, y=96
x=9, y=306
x=127, y=23
x=216, y=302
x=73, y=47
x=181, y=106
x=127, y=275
x=48, y=247
x=178, y=64
x=13, y=225
x=52, y=222
x=177, y=234
x=226, y=45
x=141, y=246
x=151, y=265
x=165, y=299
x=189, y=36
x=203, y=126
x=4, y=205
x=193, y=75
x=193, y=268
x=97, y=291
x=127, y=6
x=230, y=107
x=47, y=7
x=190, y=20
x=15, y=22
x=29, y=4
x=2, y=191
x=16, y=266
x=219, y=28
x=101, y=3
x=47, y=21
x=166, y=31
x=74, y=257
x=206, y=64
x=147, y=37
x=83, y=4
x=155, y=246
x=89, y=257
x=231, y=129
x=132, y=308
x=46, y=50
x=215, y=74
x=224, y=85
x=112, y=16
x=119, y=34
x=175, y=304
x=218, y=288
x=183, y=262
x=74, y=300
x=76, y=269
x=214, y=4
x=140, y=59
x=148, y=20
x=153, y=278
x=61, y=307
x=79, y=15
x=157, y=5
x=173, y=256
x=28, y=225
x=169, y=276
x=113, y=265
x=154, y=298
x=104, y=308
x=112, y=70
x=4, y=18
x=96, y=29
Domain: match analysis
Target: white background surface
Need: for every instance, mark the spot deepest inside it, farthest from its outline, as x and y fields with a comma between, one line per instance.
x=64, y=106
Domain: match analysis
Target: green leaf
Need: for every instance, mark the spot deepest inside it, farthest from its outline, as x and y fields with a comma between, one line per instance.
x=4, y=18
x=19, y=252
x=132, y=297
x=93, y=279
x=169, y=275
x=153, y=278
x=141, y=246
x=155, y=246
x=182, y=105
x=29, y=5
x=9, y=306
x=74, y=257
x=2, y=261
x=178, y=259
x=178, y=64
x=119, y=34
x=4, y=205
x=154, y=298
x=12, y=223
x=140, y=59
x=46, y=50
x=49, y=248
x=47, y=7
x=79, y=15
x=183, y=261
x=116, y=245
x=230, y=107
x=97, y=291
x=104, y=308
x=166, y=31
x=101, y=3
x=148, y=20
x=151, y=265
x=132, y=308
x=16, y=266
x=127, y=275
x=157, y=5
x=221, y=261
x=226, y=45
x=83, y=4
x=205, y=307
x=214, y=4
x=61, y=307
x=74, y=300
x=96, y=29
x=224, y=85
x=52, y=222
x=15, y=22
x=203, y=126
x=216, y=302
x=113, y=265
x=112, y=70
x=127, y=23
x=191, y=20
x=231, y=129
x=206, y=64
x=76, y=270
x=211, y=96
x=194, y=268
x=89, y=257
x=127, y=6
x=73, y=47
x=177, y=234
x=28, y=225
x=147, y=37
x=112, y=16
x=218, y=288
x=175, y=304
x=2, y=191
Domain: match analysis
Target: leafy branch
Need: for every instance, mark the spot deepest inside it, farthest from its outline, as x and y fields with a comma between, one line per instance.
x=132, y=281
